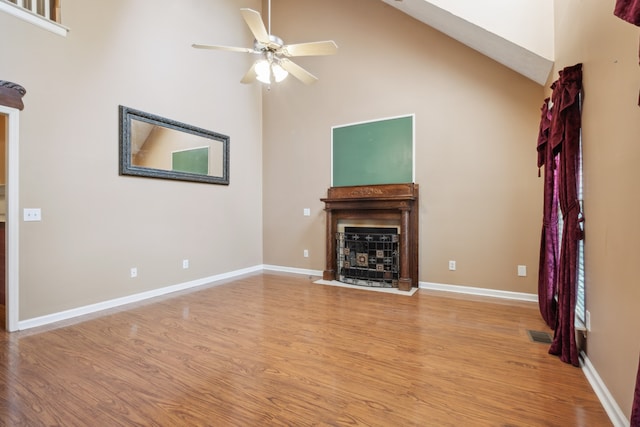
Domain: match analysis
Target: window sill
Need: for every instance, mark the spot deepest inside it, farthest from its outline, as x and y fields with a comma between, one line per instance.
x=579, y=325
x=33, y=18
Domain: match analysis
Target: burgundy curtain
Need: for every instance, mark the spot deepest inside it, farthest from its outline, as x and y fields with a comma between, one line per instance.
x=564, y=137
x=629, y=10
x=548, y=268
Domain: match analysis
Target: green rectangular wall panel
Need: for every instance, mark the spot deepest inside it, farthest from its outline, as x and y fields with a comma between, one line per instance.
x=379, y=152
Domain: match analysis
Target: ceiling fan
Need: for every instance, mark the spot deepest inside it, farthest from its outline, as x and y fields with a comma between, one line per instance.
x=274, y=63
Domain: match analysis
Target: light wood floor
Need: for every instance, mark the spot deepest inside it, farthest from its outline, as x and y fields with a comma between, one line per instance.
x=272, y=349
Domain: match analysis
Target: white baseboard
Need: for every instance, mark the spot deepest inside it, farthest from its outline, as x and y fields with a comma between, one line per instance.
x=608, y=402
x=494, y=293
x=292, y=270
x=117, y=302
x=612, y=409
x=521, y=296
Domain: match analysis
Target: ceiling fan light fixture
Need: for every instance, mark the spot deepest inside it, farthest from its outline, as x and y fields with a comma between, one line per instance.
x=263, y=71
x=268, y=70
x=279, y=73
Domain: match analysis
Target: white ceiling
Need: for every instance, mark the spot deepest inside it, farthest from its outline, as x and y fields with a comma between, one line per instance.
x=506, y=52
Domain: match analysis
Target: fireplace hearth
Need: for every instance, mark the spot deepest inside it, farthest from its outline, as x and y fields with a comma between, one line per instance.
x=373, y=204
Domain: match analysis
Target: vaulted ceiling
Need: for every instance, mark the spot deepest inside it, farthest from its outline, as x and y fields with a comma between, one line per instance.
x=473, y=34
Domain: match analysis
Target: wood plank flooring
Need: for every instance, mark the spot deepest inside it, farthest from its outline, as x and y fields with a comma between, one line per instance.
x=273, y=349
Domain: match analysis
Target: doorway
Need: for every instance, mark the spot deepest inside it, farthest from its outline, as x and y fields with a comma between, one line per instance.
x=3, y=211
x=9, y=128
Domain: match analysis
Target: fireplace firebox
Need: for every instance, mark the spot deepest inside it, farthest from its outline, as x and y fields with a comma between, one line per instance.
x=368, y=256
x=386, y=203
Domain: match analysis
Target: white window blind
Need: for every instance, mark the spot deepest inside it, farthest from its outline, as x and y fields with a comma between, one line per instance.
x=580, y=297
x=580, y=311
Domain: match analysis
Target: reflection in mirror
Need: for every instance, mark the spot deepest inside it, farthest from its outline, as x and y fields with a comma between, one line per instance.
x=156, y=147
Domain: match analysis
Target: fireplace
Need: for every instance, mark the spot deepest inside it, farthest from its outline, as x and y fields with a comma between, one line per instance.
x=368, y=256
x=374, y=204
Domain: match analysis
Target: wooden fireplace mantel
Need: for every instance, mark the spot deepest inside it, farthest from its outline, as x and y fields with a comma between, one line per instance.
x=396, y=202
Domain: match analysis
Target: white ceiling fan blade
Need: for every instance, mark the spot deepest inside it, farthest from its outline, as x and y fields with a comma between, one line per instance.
x=327, y=47
x=229, y=48
x=297, y=71
x=254, y=21
x=250, y=76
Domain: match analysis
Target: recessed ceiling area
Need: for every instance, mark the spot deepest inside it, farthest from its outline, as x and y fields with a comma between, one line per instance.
x=464, y=22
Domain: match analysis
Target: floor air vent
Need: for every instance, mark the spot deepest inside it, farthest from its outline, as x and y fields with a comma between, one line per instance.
x=539, y=336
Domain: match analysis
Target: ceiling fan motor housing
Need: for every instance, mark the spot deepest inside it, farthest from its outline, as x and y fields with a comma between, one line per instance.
x=276, y=43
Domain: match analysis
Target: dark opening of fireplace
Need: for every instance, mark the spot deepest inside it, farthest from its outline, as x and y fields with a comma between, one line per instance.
x=368, y=256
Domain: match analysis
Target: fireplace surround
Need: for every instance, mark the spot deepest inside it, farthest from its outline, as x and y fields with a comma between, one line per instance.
x=376, y=203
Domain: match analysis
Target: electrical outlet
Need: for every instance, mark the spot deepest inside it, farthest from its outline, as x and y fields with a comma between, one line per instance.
x=306, y=253
x=452, y=265
x=522, y=270
x=32, y=214
x=134, y=272
x=185, y=263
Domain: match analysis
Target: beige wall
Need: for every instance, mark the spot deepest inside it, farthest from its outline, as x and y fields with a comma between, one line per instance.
x=608, y=49
x=476, y=126
x=95, y=224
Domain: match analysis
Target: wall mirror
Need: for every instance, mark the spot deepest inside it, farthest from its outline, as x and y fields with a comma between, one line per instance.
x=156, y=147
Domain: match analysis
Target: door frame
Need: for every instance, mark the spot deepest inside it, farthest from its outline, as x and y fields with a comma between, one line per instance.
x=12, y=218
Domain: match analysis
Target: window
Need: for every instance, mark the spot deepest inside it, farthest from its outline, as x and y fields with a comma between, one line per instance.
x=581, y=318
x=580, y=295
